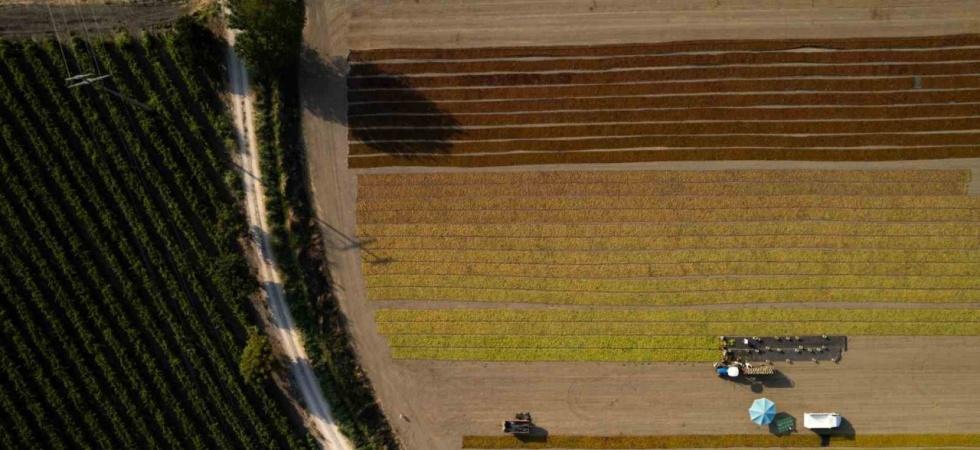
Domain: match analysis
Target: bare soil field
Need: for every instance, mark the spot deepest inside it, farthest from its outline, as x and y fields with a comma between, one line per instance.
x=489, y=23
x=444, y=400
x=32, y=19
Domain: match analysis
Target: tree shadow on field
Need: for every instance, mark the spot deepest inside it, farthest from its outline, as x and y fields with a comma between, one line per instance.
x=329, y=100
x=390, y=116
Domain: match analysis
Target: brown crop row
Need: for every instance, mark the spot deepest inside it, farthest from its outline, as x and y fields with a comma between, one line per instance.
x=701, y=154
x=704, y=154
x=666, y=189
x=687, y=73
x=674, y=101
x=671, y=129
x=682, y=46
x=661, y=60
x=673, y=176
x=693, y=144
x=686, y=87
x=769, y=114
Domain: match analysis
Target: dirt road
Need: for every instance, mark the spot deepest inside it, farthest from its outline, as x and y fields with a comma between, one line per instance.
x=327, y=432
x=492, y=23
x=37, y=20
x=442, y=400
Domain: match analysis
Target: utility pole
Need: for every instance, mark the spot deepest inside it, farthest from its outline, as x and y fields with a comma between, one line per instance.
x=87, y=79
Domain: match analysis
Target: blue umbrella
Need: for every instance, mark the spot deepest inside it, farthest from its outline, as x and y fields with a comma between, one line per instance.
x=762, y=411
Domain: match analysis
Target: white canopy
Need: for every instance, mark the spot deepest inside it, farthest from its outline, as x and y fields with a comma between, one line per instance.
x=821, y=420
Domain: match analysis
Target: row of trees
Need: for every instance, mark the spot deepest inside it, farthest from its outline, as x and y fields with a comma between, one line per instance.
x=126, y=295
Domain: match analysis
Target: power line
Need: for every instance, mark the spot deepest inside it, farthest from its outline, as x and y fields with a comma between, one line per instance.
x=88, y=39
x=58, y=37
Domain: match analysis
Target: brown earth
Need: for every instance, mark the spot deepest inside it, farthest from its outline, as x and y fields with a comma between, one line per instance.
x=883, y=385
x=32, y=19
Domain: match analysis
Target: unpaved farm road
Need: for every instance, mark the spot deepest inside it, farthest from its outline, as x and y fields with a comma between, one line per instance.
x=328, y=435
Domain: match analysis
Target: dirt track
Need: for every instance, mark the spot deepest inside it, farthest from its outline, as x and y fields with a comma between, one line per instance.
x=487, y=23
x=35, y=21
x=872, y=387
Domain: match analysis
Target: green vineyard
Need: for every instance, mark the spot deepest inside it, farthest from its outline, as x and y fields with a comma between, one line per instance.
x=126, y=296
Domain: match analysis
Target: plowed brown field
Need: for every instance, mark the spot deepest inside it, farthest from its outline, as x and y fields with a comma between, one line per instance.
x=821, y=100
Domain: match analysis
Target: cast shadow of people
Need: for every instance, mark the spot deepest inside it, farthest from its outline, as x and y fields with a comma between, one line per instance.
x=537, y=434
x=778, y=380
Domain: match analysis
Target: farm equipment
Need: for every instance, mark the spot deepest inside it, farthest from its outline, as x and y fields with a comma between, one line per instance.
x=821, y=421
x=735, y=369
x=520, y=425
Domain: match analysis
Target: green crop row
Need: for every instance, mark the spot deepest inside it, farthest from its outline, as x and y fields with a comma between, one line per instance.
x=721, y=441
x=669, y=270
x=426, y=191
x=574, y=342
x=794, y=327
x=670, y=285
x=676, y=298
x=653, y=229
x=555, y=354
x=594, y=258
x=680, y=315
x=661, y=244
x=667, y=202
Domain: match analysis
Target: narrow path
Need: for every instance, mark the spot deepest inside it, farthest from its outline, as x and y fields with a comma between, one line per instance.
x=327, y=433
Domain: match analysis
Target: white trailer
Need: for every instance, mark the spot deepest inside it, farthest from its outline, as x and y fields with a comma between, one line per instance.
x=821, y=421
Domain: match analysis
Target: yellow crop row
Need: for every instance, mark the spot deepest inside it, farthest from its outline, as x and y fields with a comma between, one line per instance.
x=721, y=441
x=555, y=354
x=652, y=229
x=755, y=316
x=778, y=255
x=575, y=342
x=672, y=270
x=677, y=299
x=658, y=244
x=800, y=326
x=670, y=285
x=650, y=176
x=651, y=189
x=659, y=215
x=669, y=202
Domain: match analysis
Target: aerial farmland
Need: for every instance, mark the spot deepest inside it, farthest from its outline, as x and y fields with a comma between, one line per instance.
x=561, y=207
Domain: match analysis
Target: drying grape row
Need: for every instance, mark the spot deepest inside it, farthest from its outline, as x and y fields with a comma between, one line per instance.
x=731, y=100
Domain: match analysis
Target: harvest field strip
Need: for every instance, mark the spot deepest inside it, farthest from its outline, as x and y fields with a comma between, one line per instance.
x=666, y=238
x=722, y=441
x=636, y=335
x=675, y=101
